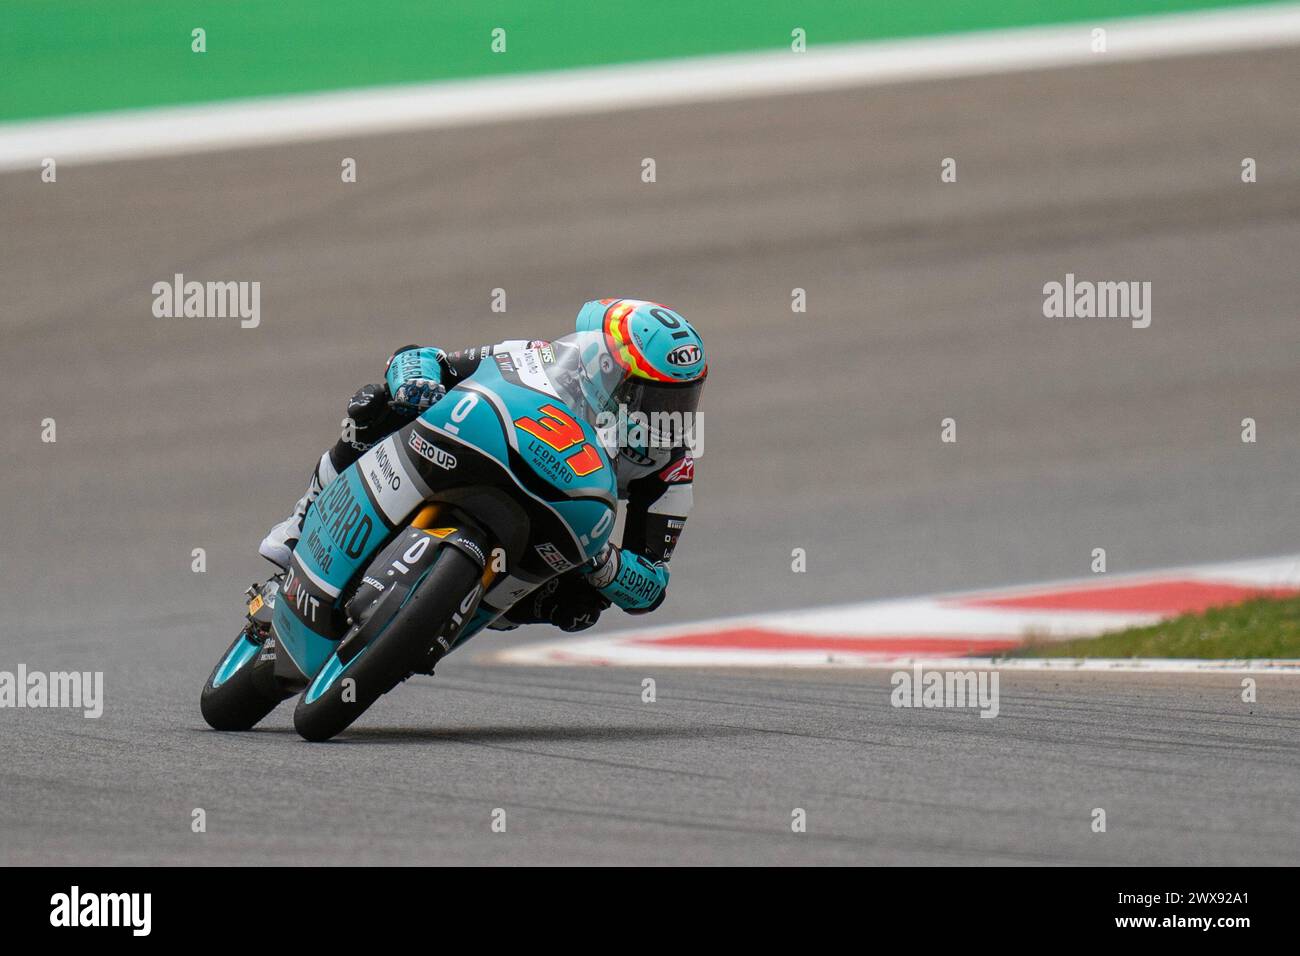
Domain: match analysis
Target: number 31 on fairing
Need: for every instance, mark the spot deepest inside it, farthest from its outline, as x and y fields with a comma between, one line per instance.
x=558, y=429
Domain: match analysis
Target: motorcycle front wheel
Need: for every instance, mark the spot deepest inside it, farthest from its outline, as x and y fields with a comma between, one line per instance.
x=343, y=689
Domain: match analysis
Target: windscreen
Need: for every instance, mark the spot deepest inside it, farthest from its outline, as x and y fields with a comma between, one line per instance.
x=632, y=413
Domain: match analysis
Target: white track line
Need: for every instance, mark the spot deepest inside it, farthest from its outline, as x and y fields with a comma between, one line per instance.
x=1112, y=665
x=646, y=658
x=257, y=122
x=1108, y=664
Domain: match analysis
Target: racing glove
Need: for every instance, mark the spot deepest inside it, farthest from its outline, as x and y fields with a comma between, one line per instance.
x=567, y=601
x=414, y=377
x=372, y=417
x=625, y=578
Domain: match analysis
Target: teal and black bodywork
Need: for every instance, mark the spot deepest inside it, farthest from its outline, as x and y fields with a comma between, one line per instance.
x=521, y=486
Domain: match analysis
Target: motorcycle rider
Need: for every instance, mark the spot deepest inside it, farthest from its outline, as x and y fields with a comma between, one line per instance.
x=659, y=367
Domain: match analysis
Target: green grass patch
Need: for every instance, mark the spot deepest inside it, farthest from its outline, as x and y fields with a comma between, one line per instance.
x=76, y=56
x=1261, y=628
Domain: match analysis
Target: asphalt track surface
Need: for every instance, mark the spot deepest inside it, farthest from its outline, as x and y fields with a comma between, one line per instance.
x=822, y=433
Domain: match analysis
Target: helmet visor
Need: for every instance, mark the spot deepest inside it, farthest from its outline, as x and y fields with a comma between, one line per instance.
x=667, y=410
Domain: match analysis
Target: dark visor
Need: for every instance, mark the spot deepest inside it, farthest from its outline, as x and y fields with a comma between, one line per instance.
x=669, y=407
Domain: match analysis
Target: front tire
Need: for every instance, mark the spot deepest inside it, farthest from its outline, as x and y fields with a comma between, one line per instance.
x=242, y=689
x=329, y=705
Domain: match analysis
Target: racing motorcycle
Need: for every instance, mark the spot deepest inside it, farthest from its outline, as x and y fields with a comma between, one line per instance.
x=428, y=538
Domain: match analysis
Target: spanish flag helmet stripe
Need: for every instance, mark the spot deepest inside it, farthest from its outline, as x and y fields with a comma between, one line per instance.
x=618, y=336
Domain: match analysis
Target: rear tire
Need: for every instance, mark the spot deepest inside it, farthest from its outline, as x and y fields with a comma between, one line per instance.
x=393, y=655
x=244, y=697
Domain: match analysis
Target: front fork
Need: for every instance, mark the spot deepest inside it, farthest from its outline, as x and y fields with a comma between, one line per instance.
x=429, y=517
x=399, y=571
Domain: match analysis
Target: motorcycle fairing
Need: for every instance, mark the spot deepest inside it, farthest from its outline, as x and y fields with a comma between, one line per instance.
x=506, y=450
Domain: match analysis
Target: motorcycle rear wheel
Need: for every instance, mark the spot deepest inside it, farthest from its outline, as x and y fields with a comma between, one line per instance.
x=242, y=688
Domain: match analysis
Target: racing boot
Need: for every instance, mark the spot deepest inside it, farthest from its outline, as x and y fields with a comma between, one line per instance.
x=279, y=542
x=371, y=417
